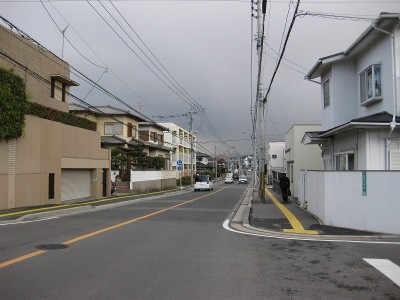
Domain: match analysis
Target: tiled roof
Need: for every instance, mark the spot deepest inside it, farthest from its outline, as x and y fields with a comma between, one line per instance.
x=135, y=142
x=114, y=140
x=103, y=109
x=201, y=154
x=382, y=117
x=156, y=125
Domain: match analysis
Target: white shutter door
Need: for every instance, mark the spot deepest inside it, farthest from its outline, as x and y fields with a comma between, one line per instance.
x=395, y=159
x=75, y=184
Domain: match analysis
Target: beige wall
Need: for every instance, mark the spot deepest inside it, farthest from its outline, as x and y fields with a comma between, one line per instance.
x=101, y=120
x=38, y=60
x=47, y=147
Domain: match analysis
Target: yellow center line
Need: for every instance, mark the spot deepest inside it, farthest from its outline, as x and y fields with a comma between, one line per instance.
x=21, y=258
x=97, y=232
x=297, y=227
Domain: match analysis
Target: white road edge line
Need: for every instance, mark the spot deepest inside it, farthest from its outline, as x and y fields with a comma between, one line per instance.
x=227, y=221
x=32, y=221
x=387, y=268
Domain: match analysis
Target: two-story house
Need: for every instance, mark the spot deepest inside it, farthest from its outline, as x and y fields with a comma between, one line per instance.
x=152, y=136
x=204, y=162
x=299, y=157
x=360, y=101
x=58, y=157
x=275, y=160
x=123, y=129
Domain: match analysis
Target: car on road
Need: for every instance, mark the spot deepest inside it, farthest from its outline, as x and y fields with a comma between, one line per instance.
x=228, y=179
x=235, y=176
x=243, y=179
x=203, y=182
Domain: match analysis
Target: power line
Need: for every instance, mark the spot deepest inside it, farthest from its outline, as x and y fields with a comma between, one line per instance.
x=41, y=1
x=188, y=100
x=108, y=68
x=239, y=1
x=283, y=51
x=85, y=78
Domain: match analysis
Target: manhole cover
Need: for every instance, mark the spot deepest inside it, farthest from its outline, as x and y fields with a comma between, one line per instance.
x=51, y=247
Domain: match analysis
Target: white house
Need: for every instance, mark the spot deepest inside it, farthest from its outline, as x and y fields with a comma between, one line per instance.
x=183, y=143
x=275, y=159
x=360, y=133
x=360, y=101
x=298, y=156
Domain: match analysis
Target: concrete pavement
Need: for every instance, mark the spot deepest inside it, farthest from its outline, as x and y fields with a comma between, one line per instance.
x=272, y=218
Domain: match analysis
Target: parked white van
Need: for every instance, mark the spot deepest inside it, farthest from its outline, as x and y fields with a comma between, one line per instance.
x=203, y=182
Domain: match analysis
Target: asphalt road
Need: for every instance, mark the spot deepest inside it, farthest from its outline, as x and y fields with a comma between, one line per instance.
x=175, y=247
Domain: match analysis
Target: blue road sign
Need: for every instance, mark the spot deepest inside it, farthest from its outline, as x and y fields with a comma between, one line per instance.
x=179, y=162
x=179, y=168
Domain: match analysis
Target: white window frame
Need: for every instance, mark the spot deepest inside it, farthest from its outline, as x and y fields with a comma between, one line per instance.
x=370, y=89
x=343, y=159
x=113, y=128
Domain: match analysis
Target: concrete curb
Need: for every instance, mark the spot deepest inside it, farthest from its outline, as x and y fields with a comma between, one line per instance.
x=243, y=210
x=59, y=212
x=85, y=208
x=240, y=222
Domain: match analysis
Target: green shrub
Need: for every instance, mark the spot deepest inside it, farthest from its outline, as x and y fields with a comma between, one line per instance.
x=13, y=104
x=185, y=181
x=51, y=114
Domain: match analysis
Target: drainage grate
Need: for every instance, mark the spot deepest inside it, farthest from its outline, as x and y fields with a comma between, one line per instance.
x=51, y=247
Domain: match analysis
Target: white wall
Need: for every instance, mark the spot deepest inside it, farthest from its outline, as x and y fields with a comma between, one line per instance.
x=336, y=198
x=276, y=148
x=138, y=176
x=380, y=52
x=303, y=157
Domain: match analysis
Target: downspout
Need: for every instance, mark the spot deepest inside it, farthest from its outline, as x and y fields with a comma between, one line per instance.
x=393, y=123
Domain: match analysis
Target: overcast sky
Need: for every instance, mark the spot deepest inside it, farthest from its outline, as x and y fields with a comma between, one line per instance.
x=206, y=47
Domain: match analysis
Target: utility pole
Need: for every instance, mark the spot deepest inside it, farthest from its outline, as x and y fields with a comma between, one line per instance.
x=191, y=113
x=63, y=34
x=261, y=9
x=216, y=162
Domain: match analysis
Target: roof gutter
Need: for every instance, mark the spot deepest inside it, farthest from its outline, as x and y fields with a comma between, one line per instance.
x=353, y=124
x=391, y=34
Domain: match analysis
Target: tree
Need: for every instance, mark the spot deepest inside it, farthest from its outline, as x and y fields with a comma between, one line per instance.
x=119, y=158
x=139, y=157
x=158, y=162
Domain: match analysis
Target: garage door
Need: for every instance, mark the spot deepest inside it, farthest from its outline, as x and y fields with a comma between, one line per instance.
x=75, y=184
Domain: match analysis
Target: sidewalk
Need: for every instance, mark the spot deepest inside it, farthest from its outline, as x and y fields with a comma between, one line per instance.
x=276, y=216
x=74, y=206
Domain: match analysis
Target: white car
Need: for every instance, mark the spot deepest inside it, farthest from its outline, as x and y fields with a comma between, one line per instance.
x=203, y=182
x=229, y=180
x=242, y=179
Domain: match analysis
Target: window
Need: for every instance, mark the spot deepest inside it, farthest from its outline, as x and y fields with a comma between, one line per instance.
x=129, y=130
x=134, y=132
x=153, y=136
x=113, y=128
x=63, y=92
x=345, y=161
x=371, y=84
x=53, y=87
x=327, y=97
x=274, y=156
x=51, y=186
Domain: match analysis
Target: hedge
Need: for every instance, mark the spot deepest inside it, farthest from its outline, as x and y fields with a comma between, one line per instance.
x=51, y=114
x=13, y=104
